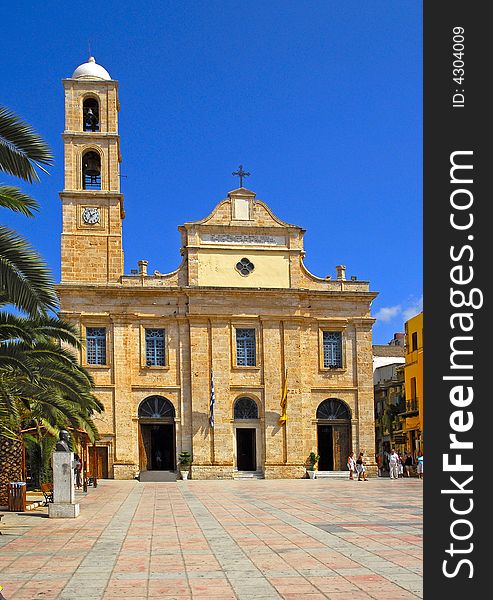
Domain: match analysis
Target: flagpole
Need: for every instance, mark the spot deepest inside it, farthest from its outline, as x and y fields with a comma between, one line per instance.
x=212, y=400
x=211, y=397
x=284, y=385
x=285, y=437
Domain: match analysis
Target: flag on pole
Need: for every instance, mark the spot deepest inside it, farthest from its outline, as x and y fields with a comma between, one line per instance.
x=212, y=402
x=284, y=400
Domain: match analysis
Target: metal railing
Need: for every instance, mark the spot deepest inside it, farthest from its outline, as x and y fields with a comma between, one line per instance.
x=412, y=405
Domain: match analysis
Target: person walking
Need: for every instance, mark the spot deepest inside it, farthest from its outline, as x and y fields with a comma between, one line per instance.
x=408, y=463
x=351, y=465
x=400, y=465
x=420, y=465
x=394, y=464
x=360, y=467
x=77, y=471
x=379, y=464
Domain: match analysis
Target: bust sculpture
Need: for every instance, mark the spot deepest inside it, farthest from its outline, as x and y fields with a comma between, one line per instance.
x=63, y=444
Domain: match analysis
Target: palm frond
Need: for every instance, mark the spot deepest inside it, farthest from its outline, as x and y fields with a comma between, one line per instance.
x=15, y=328
x=14, y=199
x=25, y=280
x=13, y=356
x=58, y=329
x=22, y=149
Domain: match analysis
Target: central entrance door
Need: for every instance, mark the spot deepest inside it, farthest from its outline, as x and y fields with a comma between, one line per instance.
x=157, y=435
x=246, y=456
x=158, y=446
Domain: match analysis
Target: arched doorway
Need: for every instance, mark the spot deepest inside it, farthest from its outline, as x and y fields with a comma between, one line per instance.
x=333, y=434
x=157, y=434
x=246, y=418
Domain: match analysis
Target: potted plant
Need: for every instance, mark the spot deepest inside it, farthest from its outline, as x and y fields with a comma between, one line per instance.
x=312, y=461
x=185, y=459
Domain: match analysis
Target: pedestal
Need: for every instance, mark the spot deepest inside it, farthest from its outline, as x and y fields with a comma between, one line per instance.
x=63, y=505
x=63, y=511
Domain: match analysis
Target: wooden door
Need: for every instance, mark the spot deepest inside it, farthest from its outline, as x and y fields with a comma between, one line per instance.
x=98, y=462
x=341, y=446
x=145, y=447
x=102, y=456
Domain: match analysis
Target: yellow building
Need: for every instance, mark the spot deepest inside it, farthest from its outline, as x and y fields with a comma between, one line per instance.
x=413, y=373
x=240, y=317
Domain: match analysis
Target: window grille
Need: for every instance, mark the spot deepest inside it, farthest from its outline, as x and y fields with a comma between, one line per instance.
x=156, y=407
x=245, y=348
x=333, y=409
x=155, y=350
x=332, y=342
x=245, y=266
x=245, y=408
x=96, y=345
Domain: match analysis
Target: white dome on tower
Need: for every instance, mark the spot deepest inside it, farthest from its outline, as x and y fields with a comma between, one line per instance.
x=91, y=70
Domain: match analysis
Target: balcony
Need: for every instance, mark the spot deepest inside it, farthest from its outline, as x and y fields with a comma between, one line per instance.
x=412, y=408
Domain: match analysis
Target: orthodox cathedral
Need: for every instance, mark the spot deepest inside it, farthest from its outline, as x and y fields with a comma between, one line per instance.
x=240, y=356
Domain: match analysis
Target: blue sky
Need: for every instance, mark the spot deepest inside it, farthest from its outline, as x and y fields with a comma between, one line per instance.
x=320, y=101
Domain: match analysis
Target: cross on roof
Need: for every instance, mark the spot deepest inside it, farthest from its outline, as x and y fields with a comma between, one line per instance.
x=241, y=173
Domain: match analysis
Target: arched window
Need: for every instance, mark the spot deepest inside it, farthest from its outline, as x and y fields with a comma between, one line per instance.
x=245, y=408
x=90, y=111
x=156, y=407
x=91, y=171
x=333, y=409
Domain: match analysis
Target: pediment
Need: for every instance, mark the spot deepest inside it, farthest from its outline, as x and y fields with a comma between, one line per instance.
x=241, y=209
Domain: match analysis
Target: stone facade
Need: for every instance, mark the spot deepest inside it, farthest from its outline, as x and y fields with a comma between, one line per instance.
x=202, y=309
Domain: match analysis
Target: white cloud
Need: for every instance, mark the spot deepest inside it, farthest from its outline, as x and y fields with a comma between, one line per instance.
x=413, y=310
x=388, y=313
x=406, y=311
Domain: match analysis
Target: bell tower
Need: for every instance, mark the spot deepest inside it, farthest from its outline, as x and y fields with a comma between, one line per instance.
x=92, y=205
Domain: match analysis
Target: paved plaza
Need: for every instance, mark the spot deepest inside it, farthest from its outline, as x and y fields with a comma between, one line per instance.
x=292, y=539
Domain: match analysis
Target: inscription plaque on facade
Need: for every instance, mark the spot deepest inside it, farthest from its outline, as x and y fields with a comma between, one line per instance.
x=244, y=239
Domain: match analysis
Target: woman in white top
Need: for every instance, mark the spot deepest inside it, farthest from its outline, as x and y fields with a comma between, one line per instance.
x=351, y=465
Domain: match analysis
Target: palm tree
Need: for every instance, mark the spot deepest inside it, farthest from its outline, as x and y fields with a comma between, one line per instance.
x=41, y=381
x=25, y=280
x=41, y=385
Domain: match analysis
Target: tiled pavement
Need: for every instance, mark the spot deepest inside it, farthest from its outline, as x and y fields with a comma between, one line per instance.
x=302, y=539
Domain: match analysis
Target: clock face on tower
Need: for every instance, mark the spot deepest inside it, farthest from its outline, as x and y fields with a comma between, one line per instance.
x=90, y=216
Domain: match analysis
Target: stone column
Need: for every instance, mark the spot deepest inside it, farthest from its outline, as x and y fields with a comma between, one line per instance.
x=63, y=505
x=294, y=424
x=126, y=462
x=366, y=414
x=200, y=394
x=272, y=377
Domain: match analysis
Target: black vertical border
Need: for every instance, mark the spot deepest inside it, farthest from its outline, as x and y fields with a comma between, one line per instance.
x=448, y=129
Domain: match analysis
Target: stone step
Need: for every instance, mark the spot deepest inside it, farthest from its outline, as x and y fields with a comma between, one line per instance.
x=332, y=475
x=158, y=476
x=248, y=475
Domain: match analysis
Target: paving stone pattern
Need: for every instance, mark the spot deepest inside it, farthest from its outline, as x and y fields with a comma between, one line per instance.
x=291, y=539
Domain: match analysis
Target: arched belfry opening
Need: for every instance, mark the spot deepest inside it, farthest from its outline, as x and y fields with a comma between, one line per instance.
x=246, y=420
x=333, y=434
x=91, y=170
x=157, y=434
x=90, y=113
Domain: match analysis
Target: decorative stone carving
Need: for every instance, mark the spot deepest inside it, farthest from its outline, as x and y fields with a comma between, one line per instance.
x=242, y=239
